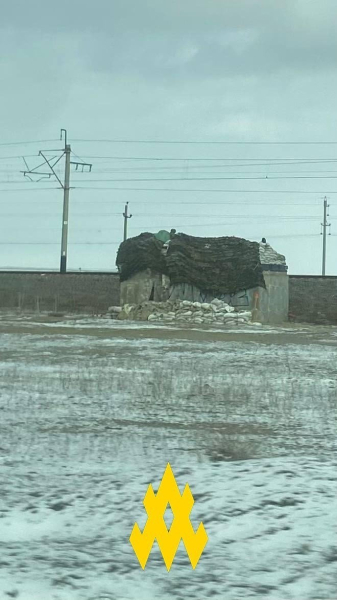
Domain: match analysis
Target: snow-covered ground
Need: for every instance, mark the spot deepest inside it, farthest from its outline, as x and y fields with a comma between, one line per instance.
x=90, y=413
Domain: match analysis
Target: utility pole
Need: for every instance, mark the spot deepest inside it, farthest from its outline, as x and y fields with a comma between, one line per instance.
x=126, y=217
x=325, y=225
x=65, y=216
x=48, y=165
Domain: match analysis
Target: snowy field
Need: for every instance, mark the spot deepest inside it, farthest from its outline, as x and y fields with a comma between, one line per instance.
x=91, y=411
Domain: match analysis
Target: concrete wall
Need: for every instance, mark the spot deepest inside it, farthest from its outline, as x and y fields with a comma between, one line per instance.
x=313, y=299
x=142, y=287
x=53, y=292
x=273, y=302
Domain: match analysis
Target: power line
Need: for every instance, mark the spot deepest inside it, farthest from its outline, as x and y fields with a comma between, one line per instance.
x=295, y=160
x=177, y=169
x=188, y=178
x=175, y=190
x=134, y=189
x=25, y=143
x=228, y=143
x=227, y=216
x=200, y=169
x=26, y=183
x=15, y=157
x=39, y=189
x=183, y=202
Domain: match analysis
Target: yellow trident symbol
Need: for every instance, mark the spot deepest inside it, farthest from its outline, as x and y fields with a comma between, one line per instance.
x=181, y=528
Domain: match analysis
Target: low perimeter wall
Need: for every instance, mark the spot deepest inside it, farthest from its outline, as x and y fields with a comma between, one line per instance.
x=52, y=292
x=313, y=299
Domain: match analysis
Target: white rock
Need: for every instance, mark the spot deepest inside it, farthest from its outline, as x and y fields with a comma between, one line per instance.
x=198, y=320
x=206, y=306
x=186, y=303
x=188, y=313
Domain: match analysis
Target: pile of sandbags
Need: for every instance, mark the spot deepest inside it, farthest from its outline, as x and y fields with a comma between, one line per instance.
x=216, y=312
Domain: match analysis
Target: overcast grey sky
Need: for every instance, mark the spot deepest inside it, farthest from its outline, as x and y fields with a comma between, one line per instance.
x=189, y=71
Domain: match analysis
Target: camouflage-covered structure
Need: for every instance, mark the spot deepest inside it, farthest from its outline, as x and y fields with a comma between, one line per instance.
x=185, y=267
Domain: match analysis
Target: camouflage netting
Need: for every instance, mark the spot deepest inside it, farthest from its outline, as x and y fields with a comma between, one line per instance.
x=223, y=265
x=140, y=253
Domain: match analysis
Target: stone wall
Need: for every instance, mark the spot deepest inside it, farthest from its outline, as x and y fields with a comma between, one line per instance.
x=313, y=299
x=91, y=293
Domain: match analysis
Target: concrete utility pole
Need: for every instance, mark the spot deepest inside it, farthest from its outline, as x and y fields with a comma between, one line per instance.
x=49, y=171
x=126, y=217
x=66, y=188
x=325, y=225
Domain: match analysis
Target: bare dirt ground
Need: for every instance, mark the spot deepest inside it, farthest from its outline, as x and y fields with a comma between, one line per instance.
x=91, y=411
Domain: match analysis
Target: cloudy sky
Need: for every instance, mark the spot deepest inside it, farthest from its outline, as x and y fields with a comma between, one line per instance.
x=216, y=117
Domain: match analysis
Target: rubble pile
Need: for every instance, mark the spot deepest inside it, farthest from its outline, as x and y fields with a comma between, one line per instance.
x=216, y=312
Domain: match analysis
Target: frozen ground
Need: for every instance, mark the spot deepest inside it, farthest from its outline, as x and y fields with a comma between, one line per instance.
x=90, y=413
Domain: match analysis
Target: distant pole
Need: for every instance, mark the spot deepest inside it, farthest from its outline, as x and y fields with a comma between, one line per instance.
x=325, y=225
x=65, y=216
x=126, y=217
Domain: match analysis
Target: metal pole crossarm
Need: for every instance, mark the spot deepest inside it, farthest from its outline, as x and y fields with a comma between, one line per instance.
x=82, y=164
x=52, y=167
